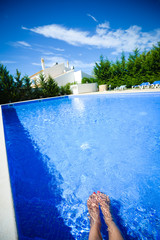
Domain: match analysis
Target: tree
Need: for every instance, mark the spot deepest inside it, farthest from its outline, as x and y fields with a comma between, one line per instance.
x=140, y=67
x=49, y=86
x=65, y=90
x=153, y=63
x=7, y=86
x=102, y=71
x=88, y=80
x=52, y=87
x=37, y=92
x=43, y=85
x=18, y=86
x=27, y=88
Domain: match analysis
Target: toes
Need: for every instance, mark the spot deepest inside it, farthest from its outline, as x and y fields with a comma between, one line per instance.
x=92, y=200
x=101, y=197
x=93, y=196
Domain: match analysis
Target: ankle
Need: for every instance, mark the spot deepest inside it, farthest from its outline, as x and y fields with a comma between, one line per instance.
x=108, y=220
x=95, y=223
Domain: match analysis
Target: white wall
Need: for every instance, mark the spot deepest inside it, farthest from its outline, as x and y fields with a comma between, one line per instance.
x=67, y=77
x=63, y=75
x=74, y=88
x=84, y=88
x=54, y=70
x=87, y=87
x=78, y=76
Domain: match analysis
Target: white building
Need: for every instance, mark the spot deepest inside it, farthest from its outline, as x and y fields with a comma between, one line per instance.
x=61, y=74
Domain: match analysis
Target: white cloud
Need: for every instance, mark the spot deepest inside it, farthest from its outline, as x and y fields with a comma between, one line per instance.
x=24, y=44
x=36, y=64
x=47, y=53
x=104, y=37
x=47, y=47
x=7, y=61
x=71, y=36
x=81, y=65
x=20, y=44
x=43, y=51
x=50, y=61
x=102, y=29
x=104, y=25
x=89, y=15
x=59, y=49
x=24, y=28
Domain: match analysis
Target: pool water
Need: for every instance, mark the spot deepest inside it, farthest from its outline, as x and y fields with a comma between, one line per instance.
x=62, y=150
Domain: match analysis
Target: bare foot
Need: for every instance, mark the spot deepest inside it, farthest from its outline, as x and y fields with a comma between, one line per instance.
x=114, y=232
x=93, y=208
x=105, y=206
x=95, y=222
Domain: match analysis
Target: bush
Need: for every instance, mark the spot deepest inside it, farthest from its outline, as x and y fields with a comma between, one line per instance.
x=49, y=87
x=65, y=90
x=88, y=80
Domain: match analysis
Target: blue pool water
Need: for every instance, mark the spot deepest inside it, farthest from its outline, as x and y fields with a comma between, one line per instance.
x=61, y=150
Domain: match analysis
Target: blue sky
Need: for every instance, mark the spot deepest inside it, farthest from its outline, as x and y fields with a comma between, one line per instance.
x=77, y=31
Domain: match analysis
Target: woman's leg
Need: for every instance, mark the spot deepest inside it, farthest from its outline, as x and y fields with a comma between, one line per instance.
x=114, y=233
x=95, y=222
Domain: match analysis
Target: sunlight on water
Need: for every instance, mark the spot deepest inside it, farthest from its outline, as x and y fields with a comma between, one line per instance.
x=110, y=144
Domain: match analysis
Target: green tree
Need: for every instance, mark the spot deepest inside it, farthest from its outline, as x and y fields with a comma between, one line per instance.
x=153, y=63
x=102, y=71
x=49, y=87
x=37, y=92
x=88, y=80
x=52, y=87
x=7, y=86
x=42, y=80
x=43, y=85
x=27, y=88
x=65, y=90
x=19, y=92
x=140, y=67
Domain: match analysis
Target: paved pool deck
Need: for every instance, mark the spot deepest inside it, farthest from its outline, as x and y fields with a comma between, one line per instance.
x=8, y=230
x=149, y=90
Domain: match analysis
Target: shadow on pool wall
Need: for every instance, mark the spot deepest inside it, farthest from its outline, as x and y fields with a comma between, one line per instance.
x=35, y=203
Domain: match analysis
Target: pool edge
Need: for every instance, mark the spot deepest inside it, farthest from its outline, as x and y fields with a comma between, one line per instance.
x=33, y=101
x=8, y=230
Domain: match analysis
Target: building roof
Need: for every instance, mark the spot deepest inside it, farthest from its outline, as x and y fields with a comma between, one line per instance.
x=35, y=74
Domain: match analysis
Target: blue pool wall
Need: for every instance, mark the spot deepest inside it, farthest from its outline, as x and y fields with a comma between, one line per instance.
x=35, y=205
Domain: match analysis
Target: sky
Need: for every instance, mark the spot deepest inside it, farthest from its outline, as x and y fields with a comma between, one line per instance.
x=77, y=31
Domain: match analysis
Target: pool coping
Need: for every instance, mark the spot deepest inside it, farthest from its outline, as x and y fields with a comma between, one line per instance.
x=32, y=101
x=8, y=229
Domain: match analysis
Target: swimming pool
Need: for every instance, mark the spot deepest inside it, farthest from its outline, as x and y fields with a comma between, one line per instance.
x=61, y=150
